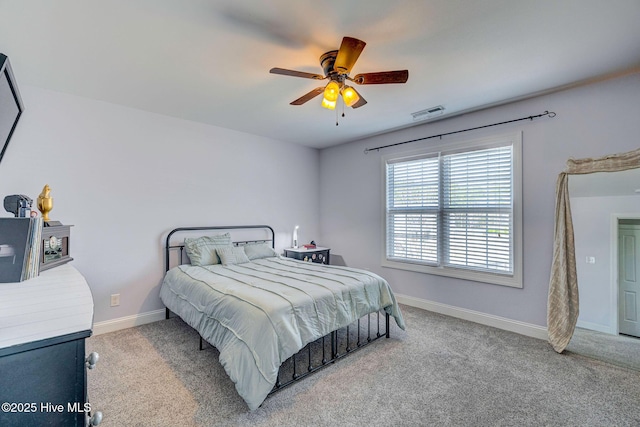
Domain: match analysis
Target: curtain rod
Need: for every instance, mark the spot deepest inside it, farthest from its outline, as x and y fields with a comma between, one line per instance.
x=546, y=113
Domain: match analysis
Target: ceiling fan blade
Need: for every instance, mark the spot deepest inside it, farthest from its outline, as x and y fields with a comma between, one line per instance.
x=350, y=50
x=296, y=74
x=360, y=102
x=382, y=77
x=308, y=96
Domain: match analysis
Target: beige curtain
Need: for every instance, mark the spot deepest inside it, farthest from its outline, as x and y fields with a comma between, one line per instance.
x=562, y=305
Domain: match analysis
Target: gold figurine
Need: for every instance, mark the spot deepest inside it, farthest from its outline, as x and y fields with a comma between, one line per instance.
x=45, y=202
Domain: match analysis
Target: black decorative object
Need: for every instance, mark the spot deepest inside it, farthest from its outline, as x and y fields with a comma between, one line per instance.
x=55, y=246
x=19, y=205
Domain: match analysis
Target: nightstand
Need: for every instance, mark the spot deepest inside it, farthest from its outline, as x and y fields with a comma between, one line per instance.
x=317, y=254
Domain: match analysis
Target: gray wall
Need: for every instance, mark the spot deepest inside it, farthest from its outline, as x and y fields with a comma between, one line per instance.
x=124, y=178
x=592, y=120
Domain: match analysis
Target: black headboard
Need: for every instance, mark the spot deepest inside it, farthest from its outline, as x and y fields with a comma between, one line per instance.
x=190, y=230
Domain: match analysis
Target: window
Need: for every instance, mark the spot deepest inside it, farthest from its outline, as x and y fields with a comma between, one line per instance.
x=456, y=211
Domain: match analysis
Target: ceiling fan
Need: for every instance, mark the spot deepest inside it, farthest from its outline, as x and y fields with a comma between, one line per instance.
x=337, y=65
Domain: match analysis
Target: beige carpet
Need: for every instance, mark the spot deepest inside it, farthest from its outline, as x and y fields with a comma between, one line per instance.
x=442, y=371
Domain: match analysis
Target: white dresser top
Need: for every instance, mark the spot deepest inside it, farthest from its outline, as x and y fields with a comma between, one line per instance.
x=57, y=302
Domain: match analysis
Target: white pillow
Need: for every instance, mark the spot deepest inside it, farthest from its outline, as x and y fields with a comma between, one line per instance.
x=259, y=250
x=232, y=255
x=202, y=250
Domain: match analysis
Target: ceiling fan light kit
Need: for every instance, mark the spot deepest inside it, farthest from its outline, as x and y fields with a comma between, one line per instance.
x=349, y=96
x=329, y=105
x=331, y=91
x=337, y=65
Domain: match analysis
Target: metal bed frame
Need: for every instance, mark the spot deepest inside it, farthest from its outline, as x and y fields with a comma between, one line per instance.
x=316, y=355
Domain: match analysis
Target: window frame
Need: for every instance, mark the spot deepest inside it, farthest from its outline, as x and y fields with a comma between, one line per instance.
x=442, y=149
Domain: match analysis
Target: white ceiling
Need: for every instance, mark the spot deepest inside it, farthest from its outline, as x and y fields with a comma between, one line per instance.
x=209, y=60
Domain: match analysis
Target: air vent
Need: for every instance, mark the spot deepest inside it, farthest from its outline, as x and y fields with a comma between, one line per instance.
x=428, y=113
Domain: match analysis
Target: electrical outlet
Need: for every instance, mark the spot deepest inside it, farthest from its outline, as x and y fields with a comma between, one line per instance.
x=115, y=300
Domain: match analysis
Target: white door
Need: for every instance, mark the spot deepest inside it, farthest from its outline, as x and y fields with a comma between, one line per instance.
x=629, y=279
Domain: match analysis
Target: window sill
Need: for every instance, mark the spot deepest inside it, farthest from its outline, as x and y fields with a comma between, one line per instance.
x=513, y=281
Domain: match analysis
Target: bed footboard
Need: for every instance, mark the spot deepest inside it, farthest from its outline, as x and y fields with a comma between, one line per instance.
x=328, y=349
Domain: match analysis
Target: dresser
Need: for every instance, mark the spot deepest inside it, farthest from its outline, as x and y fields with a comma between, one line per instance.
x=43, y=367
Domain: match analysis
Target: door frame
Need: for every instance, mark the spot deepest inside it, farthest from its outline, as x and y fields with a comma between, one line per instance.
x=614, y=294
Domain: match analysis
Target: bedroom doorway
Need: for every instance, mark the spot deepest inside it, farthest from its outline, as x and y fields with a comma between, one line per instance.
x=629, y=277
x=610, y=343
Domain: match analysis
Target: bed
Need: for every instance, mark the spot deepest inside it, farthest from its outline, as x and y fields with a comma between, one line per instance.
x=262, y=310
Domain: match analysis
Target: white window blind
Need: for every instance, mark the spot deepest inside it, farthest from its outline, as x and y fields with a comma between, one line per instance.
x=476, y=208
x=412, y=210
x=452, y=210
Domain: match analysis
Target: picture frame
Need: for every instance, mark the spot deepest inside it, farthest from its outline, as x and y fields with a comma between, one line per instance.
x=11, y=106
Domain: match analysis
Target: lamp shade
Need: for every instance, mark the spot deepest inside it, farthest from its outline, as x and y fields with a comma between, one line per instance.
x=350, y=96
x=295, y=237
x=332, y=91
x=331, y=105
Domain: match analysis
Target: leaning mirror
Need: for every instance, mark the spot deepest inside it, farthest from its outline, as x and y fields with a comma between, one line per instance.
x=605, y=208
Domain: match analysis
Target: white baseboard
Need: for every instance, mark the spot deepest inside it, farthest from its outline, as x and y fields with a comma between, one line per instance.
x=516, y=326
x=128, y=321
x=596, y=327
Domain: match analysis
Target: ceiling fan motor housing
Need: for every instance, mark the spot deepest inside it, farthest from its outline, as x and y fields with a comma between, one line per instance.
x=327, y=61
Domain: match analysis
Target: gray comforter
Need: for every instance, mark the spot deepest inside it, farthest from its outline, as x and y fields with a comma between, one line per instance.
x=258, y=314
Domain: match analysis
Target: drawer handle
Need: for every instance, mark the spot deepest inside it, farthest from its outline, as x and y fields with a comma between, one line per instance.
x=92, y=360
x=95, y=419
